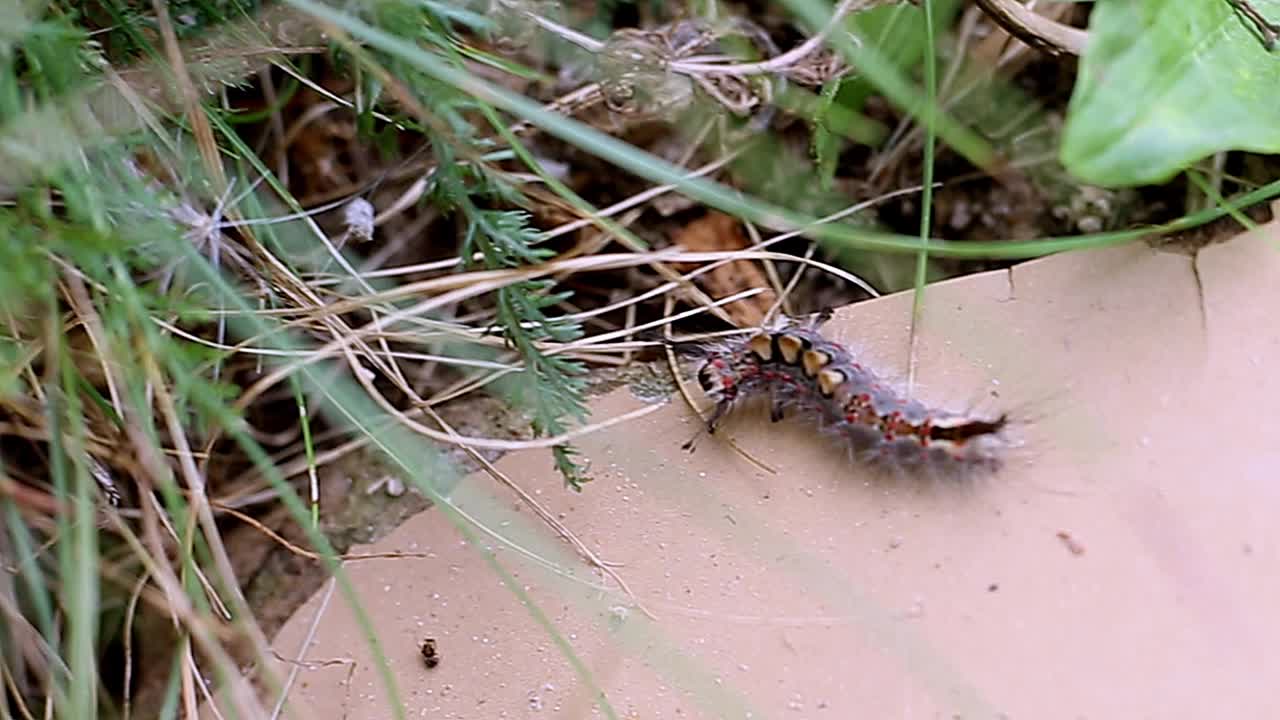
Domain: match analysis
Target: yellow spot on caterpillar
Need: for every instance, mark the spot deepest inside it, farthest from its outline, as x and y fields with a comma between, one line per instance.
x=762, y=345
x=815, y=360
x=829, y=380
x=790, y=345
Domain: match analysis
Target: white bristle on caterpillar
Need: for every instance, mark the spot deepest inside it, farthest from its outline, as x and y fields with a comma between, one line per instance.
x=801, y=372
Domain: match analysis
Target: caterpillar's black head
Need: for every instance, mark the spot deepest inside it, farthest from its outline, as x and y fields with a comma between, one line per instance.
x=707, y=378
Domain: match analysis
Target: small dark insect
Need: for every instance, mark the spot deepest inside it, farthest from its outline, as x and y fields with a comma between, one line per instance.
x=430, y=655
x=1071, y=543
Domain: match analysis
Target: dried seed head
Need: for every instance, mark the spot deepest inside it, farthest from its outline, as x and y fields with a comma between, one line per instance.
x=358, y=217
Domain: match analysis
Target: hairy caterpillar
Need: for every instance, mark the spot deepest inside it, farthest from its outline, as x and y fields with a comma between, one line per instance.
x=798, y=369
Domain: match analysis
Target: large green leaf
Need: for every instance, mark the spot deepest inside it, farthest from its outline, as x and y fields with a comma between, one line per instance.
x=1166, y=82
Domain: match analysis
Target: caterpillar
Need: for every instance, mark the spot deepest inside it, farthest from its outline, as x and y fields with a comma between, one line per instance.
x=798, y=369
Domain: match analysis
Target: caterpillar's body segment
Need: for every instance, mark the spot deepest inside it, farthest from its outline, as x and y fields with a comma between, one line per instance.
x=798, y=369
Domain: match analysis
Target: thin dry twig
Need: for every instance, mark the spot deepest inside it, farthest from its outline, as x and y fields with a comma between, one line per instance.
x=774, y=65
x=1034, y=29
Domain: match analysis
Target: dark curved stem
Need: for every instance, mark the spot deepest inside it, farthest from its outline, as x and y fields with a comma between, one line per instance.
x=1035, y=30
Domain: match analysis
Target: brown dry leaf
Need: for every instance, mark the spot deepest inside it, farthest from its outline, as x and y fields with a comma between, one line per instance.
x=718, y=232
x=319, y=149
x=818, y=592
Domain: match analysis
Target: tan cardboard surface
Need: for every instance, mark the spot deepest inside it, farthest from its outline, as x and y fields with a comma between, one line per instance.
x=1126, y=563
